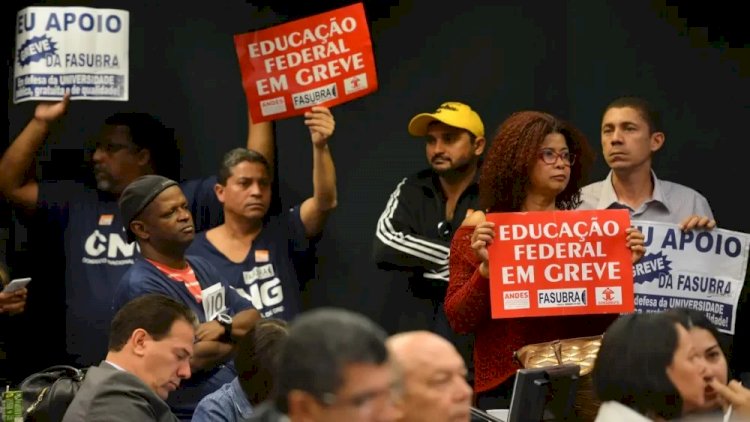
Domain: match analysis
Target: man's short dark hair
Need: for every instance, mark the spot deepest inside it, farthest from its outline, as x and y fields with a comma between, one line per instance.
x=258, y=356
x=154, y=313
x=643, y=107
x=237, y=156
x=631, y=365
x=148, y=132
x=321, y=343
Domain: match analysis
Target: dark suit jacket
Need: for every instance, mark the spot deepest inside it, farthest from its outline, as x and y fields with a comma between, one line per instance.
x=109, y=394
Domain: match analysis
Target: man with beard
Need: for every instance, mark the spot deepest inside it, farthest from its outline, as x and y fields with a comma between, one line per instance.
x=81, y=224
x=414, y=231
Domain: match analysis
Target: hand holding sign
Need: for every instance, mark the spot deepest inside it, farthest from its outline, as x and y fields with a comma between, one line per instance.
x=321, y=124
x=482, y=237
x=635, y=241
x=697, y=222
x=49, y=112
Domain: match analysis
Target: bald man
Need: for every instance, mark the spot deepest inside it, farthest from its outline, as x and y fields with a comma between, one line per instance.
x=434, y=375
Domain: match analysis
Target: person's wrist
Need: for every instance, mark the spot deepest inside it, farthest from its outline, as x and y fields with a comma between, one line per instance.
x=42, y=123
x=484, y=269
x=226, y=323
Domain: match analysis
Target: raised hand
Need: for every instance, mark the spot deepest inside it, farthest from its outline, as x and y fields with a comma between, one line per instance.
x=49, y=112
x=321, y=124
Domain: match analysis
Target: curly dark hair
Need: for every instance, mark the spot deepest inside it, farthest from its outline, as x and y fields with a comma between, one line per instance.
x=505, y=171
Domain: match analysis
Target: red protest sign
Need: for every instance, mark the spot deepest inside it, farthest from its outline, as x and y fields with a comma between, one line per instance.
x=560, y=263
x=324, y=59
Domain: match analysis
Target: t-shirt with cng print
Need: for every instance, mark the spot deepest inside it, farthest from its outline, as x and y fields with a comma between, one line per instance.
x=269, y=274
x=96, y=252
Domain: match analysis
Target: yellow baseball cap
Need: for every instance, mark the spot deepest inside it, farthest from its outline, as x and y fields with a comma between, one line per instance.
x=452, y=114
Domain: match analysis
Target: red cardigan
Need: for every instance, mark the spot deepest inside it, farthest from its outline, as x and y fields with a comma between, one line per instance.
x=467, y=305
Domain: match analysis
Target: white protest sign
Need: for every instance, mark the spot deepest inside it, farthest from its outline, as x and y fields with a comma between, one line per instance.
x=214, y=301
x=698, y=269
x=80, y=50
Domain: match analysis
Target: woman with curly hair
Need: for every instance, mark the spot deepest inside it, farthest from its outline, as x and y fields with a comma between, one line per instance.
x=537, y=162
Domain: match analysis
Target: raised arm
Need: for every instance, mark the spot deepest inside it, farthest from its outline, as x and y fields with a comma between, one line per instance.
x=315, y=210
x=19, y=157
x=260, y=139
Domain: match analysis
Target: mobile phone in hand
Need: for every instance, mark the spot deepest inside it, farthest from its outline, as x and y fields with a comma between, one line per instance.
x=16, y=284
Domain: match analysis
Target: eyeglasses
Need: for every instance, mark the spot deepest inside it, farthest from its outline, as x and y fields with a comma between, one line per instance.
x=550, y=157
x=444, y=228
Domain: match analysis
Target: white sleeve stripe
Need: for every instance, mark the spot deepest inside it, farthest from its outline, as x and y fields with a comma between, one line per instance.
x=432, y=276
x=443, y=270
x=432, y=252
x=385, y=225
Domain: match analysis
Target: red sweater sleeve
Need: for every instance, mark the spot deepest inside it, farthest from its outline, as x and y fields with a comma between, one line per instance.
x=467, y=302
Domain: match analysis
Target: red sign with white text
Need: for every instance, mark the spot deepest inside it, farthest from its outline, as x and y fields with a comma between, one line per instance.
x=324, y=59
x=560, y=263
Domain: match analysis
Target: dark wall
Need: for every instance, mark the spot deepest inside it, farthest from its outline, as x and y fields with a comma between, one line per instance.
x=568, y=58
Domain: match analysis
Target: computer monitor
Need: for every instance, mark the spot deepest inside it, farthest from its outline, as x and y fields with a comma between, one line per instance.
x=544, y=394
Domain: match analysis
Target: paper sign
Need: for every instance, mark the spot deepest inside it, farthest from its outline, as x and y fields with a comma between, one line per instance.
x=80, y=50
x=560, y=263
x=213, y=300
x=698, y=269
x=324, y=59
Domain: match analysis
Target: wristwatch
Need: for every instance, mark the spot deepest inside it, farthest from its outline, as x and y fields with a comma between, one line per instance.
x=226, y=321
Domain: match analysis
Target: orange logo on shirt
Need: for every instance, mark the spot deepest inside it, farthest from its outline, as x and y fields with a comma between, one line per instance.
x=261, y=255
x=106, y=219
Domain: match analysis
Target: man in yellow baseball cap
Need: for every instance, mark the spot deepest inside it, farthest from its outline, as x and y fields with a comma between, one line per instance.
x=454, y=114
x=414, y=231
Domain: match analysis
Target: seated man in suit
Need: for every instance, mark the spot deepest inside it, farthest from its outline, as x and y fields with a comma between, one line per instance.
x=150, y=346
x=434, y=378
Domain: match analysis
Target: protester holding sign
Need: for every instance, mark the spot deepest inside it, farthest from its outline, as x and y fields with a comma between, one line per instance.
x=81, y=222
x=631, y=135
x=258, y=252
x=156, y=215
x=536, y=163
